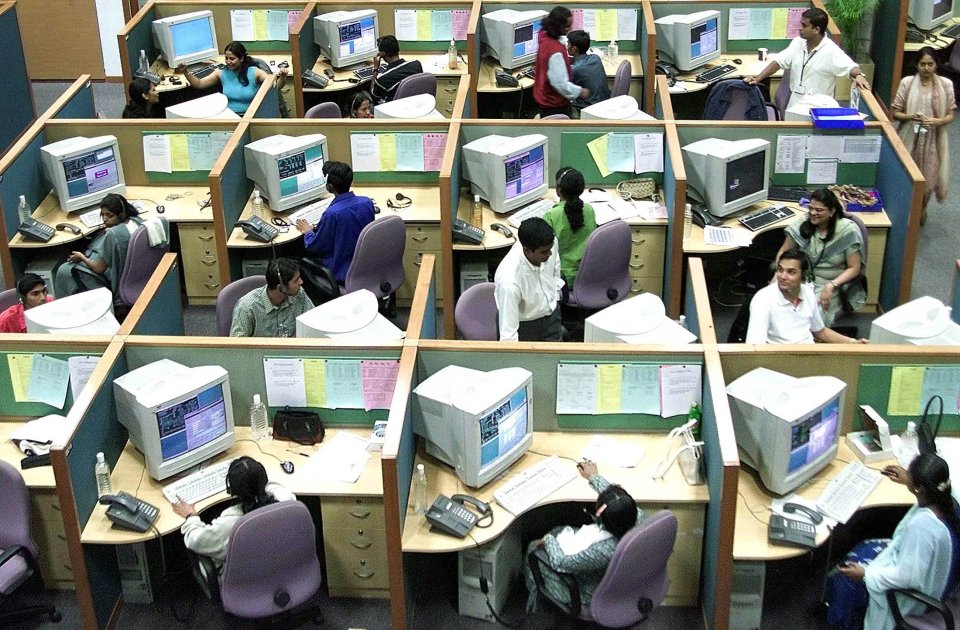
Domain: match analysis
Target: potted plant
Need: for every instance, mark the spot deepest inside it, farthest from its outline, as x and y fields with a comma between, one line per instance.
x=854, y=19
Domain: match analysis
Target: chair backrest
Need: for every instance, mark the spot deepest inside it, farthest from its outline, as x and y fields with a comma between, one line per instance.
x=782, y=97
x=378, y=259
x=603, y=277
x=15, y=507
x=556, y=117
x=324, y=110
x=139, y=265
x=637, y=571
x=8, y=298
x=863, y=235
x=255, y=584
x=420, y=83
x=772, y=112
x=227, y=300
x=476, y=313
x=621, y=80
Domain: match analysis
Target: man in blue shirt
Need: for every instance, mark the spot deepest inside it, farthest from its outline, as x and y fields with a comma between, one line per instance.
x=587, y=70
x=334, y=238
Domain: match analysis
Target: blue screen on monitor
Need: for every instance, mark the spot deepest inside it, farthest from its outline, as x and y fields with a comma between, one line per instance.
x=301, y=171
x=703, y=39
x=358, y=37
x=91, y=172
x=192, y=36
x=503, y=428
x=525, y=39
x=524, y=172
x=813, y=436
x=190, y=424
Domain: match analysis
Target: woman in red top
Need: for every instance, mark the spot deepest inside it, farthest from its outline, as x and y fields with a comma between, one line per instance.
x=33, y=292
x=552, y=88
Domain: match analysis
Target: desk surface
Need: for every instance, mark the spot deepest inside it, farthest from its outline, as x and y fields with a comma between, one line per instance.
x=939, y=41
x=487, y=82
x=181, y=205
x=750, y=66
x=131, y=476
x=435, y=63
x=753, y=507
x=39, y=477
x=167, y=73
x=637, y=481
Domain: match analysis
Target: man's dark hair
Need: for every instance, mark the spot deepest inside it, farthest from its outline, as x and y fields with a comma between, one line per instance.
x=556, y=21
x=388, y=46
x=339, y=176
x=535, y=233
x=818, y=19
x=621, y=512
x=280, y=271
x=580, y=39
x=797, y=254
x=27, y=283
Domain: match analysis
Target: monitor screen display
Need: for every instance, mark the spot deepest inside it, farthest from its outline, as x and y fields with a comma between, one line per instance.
x=703, y=39
x=358, y=37
x=503, y=429
x=91, y=172
x=191, y=424
x=192, y=36
x=524, y=172
x=813, y=436
x=745, y=176
x=525, y=39
x=941, y=7
x=301, y=171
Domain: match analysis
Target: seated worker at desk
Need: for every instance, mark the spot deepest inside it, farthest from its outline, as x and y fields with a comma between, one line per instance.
x=101, y=264
x=572, y=221
x=272, y=311
x=384, y=82
x=587, y=70
x=924, y=554
x=361, y=105
x=247, y=483
x=814, y=61
x=239, y=81
x=527, y=285
x=786, y=310
x=614, y=515
x=143, y=100
x=553, y=89
x=32, y=291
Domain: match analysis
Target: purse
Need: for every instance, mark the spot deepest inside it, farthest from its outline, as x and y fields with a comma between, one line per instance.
x=639, y=188
x=927, y=435
x=303, y=427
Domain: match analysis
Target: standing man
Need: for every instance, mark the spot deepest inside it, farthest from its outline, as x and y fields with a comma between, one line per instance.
x=272, y=311
x=383, y=83
x=814, y=61
x=528, y=284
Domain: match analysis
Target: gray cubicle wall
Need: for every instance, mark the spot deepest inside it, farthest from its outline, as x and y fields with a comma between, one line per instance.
x=16, y=106
x=78, y=104
x=20, y=174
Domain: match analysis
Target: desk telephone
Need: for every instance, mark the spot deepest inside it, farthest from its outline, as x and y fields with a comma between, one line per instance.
x=506, y=80
x=152, y=77
x=702, y=217
x=463, y=231
x=450, y=516
x=258, y=229
x=34, y=230
x=128, y=512
x=314, y=79
x=790, y=532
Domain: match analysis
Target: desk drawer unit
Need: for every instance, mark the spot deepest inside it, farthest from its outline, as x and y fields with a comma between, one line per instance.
x=355, y=547
x=684, y=565
x=876, y=247
x=446, y=94
x=47, y=529
x=421, y=239
x=201, y=275
x=646, y=259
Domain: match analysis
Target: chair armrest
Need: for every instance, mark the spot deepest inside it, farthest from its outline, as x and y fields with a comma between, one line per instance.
x=10, y=552
x=936, y=604
x=205, y=572
x=538, y=558
x=319, y=280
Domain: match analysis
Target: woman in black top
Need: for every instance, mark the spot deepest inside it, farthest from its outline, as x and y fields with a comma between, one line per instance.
x=143, y=100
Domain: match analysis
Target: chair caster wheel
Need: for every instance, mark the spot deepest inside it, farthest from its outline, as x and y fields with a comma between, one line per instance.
x=56, y=617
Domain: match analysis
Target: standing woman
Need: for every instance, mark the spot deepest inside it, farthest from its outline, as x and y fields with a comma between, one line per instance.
x=143, y=100
x=572, y=220
x=925, y=105
x=239, y=81
x=552, y=88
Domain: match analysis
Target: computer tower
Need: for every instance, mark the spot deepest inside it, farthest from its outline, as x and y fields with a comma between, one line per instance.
x=499, y=562
x=252, y=266
x=472, y=273
x=746, y=600
x=45, y=266
x=135, y=574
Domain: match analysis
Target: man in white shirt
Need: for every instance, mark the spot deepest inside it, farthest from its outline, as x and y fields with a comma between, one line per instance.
x=814, y=61
x=527, y=285
x=786, y=311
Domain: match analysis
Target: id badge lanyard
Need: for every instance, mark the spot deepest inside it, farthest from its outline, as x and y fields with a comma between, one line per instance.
x=800, y=89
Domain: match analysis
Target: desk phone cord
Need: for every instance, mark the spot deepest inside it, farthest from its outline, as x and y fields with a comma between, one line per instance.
x=485, y=588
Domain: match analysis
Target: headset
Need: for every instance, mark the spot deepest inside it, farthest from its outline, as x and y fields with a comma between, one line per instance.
x=402, y=202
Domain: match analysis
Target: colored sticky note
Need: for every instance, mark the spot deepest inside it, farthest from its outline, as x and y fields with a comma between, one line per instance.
x=260, y=25
x=292, y=17
x=278, y=26
x=200, y=151
x=606, y=24
x=179, y=152
x=315, y=382
x=20, y=366
x=608, y=387
x=598, y=149
x=344, y=384
x=424, y=25
x=778, y=30
x=441, y=26
x=906, y=387
x=409, y=152
x=760, y=20
x=577, y=19
x=388, y=151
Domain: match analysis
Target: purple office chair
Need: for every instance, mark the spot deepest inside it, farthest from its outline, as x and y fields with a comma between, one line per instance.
x=378, y=260
x=324, y=110
x=635, y=581
x=140, y=263
x=621, y=80
x=476, y=313
x=18, y=552
x=227, y=300
x=556, y=117
x=420, y=83
x=772, y=112
x=782, y=97
x=603, y=277
x=8, y=298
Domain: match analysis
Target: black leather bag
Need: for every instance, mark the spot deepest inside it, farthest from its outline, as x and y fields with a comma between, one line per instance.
x=926, y=434
x=303, y=427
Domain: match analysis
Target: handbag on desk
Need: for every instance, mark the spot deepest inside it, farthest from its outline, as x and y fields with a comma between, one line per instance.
x=303, y=427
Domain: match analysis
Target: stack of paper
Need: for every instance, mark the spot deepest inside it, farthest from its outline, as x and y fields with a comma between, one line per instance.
x=342, y=458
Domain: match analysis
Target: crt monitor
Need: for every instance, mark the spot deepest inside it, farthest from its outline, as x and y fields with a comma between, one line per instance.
x=638, y=320
x=354, y=317
x=87, y=313
x=727, y=175
x=623, y=107
x=507, y=172
x=186, y=38
x=924, y=321
x=512, y=36
x=478, y=422
x=347, y=37
x=82, y=171
x=927, y=14
x=689, y=41
x=417, y=106
x=177, y=416
x=787, y=428
x=288, y=170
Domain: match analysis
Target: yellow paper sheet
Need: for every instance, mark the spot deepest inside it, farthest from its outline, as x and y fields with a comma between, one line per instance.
x=20, y=366
x=424, y=25
x=315, y=382
x=779, y=30
x=388, y=151
x=179, y=152
x=598, y=149
x=260, y=25
x=609, y=379
x=606, y=24
x=906, y=387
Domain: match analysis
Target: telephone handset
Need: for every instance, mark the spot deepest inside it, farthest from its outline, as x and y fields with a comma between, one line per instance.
x=787, y=531
x=258, y=229
x=128, y=512
x=450, y=516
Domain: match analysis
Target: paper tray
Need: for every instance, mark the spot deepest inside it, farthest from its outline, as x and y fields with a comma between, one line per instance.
x=836, y=118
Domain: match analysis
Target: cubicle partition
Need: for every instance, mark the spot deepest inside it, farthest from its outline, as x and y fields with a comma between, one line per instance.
x=16, y=107
x=886, y=47
x=955, y=293
x=75, y=102
x=158, y=310
x=305, y=54
x=696, y=304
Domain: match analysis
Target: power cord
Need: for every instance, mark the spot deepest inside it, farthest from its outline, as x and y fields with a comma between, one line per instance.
x=263, y=452
x=485, y=589
x=167, y=578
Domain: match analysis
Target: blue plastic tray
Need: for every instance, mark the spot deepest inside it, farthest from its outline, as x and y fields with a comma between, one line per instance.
x=828, y=118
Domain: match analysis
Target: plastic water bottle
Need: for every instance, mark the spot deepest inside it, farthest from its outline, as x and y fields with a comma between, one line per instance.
x=23, y=210
x=452, y=55
x=687, y=222
x=258, y=419
x=613, y=51
x=477, y=217
x=909, y=444
x=102, y=472
x=144, y=65
x=257, y=203
x=420, y=490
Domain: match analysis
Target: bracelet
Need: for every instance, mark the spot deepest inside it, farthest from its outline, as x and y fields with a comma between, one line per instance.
x=833, y=284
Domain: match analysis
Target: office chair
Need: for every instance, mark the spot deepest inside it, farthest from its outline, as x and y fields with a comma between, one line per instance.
x=782, y=97
x=772, y=112
x=8, y=298
x=420, y=83
x=621, y=80
x=634, y=583
x=323, y=110
x=853, y=331
x=18, y=551
x=140, y=263
x=556, y=117
x=938, y=614
x=732, y=99
x=603, y=277
x=257, y=585
x=227, y=300
x=476, y=313
x=263, y=65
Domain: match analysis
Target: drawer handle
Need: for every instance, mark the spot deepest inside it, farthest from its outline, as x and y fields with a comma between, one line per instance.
x=449, y=110
x=639, y=242
x=363, y=544
x=365, y=575
x=67, y=567
x=211, y=286
x=55, y=506
x=640, y=266
x=209, y=262
x=357, y=514
x=451, y=90
x=205, y=238
x=62, y=537
x=419, y=239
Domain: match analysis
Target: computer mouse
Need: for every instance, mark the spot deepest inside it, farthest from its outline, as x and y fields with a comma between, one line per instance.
x=66, y=227
x=328, y=72
x=499, y=227
x=287, y=467
x=738, y=61
x=376, y=209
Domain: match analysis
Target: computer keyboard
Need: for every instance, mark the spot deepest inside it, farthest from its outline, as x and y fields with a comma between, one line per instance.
x=787, y=193
x=763, y=218
x=311, y=213
x=204, y=483
x=952, y=31
x=364, y=73
x=205, y=69
x=847, y=491
x=533, y=484
x=535, y=209
x=713, y=74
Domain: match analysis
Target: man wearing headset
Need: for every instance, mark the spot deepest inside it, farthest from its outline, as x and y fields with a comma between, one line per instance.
x=786, y=310
x=272, y=311
x=384, y=82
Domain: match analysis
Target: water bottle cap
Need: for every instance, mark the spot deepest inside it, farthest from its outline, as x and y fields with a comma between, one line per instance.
x=100, y=457
x=420, y=468
x=911, y=425
x=23, y=199
x=476, y=199
x=256, y=399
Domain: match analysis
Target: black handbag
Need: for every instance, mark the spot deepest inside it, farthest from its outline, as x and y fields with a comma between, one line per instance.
x=303, y=427
x=927, y=435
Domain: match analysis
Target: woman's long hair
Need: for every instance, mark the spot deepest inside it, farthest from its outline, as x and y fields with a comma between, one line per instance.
x=118, y=205
x=240, y=52
x=556, y=21
x=570, y=186
x=138, y=107
x=830, y=200
x=930, y=473
x=247, y=481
